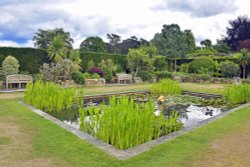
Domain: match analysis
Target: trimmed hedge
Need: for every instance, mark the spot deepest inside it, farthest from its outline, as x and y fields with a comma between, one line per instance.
x=98, y=57
x=30, y=59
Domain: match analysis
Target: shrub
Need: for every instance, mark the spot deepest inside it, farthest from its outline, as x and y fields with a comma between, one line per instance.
x=229, y=69
x=78, y=78
x=10, y=66
x=164, y=75
x=96, y=70
x=145, y=75
x=124, y=123
x=238, y=94
x=167, y=87
x=90, y=76
x=184, y=67
x=201, y=64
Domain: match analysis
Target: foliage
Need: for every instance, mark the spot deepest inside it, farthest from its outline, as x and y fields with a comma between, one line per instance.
x=57, y=49
x=160, y=63
x=238, y=94
x=145, y=75
x=93, y=44
x=96, y=70
x=90, y=76
x=222, y=47
x=245, y=44
x=173, y=42
x=43, y=38
x=118, y=59
x=184, y=67
x=237, y=31
x=203, y=51
x=138, y=59
x=61, y=70
x=124, y=123
x=50, y=97
x=202, y=63
x=75, y=59
x=78, y=78
x=207, y=43
x=10, y=66
x=164, y=75
x=244, y=60
x=166, y=87
x=30, y=59
x=229, y=69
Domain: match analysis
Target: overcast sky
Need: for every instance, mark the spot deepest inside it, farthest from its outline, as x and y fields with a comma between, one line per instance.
x=20, y=19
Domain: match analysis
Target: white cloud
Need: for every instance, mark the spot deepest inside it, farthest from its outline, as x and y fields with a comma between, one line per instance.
x=83, y=18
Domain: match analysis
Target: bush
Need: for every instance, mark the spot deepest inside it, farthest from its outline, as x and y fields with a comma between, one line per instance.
x=145, y=75
x=202, y=64
x=90, y=76
x=10, y=66
x=229, y=69
x=238, y=94
x=184, y=67
x=167, y=87
x=96, y=70
x=78, y=78
x=164, y=75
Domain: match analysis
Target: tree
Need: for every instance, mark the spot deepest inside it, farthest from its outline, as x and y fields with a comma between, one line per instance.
x=244, y=60
x=75, y=59
x=114, y=40
x=43, y=38
x=175, y=39
x=238, y=30
x=57, y=49
x=94, y=44
x=222, y=47
x=190, y=41
x=207, y=43
x=245, y=44
x=138, y=60
x=10, y=65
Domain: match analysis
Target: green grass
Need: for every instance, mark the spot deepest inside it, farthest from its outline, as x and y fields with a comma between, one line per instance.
x=49, y=140
x=4, y=140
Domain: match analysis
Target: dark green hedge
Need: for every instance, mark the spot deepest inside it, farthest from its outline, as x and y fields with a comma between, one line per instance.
x=97, y=57
x=30, y=59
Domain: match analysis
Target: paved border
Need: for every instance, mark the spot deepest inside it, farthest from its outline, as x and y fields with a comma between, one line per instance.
x=125, y=154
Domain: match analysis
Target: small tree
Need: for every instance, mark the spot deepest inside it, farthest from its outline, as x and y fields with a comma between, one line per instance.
x=10, y=66
x=244, y=60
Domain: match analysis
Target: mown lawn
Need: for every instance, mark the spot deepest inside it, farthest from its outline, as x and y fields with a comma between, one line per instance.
x=48, y=141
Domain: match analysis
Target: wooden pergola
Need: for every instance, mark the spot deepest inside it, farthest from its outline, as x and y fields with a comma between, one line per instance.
x=18, y=79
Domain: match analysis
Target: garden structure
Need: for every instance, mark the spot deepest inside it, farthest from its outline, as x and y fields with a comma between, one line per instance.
x=123, y=78
x=18, y=79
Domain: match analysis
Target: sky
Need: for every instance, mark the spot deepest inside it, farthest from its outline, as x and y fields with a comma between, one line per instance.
x=208, y=19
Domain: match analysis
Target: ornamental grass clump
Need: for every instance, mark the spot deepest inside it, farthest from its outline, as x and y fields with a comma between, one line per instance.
x=124, y=123
x=238, y=94
x=50, y=97
x=166, y=87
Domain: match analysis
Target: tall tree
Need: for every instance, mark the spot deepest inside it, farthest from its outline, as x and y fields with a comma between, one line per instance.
x=57, y=49
x=244, y=60
x=190, y=41
x=43, y=38
x=114, y=40
x=175, y=39
x=238, y=30
x=207, y=43
x=94, y=44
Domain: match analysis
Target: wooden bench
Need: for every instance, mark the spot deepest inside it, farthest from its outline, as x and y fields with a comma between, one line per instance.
x=123, y=78
x=18, y=79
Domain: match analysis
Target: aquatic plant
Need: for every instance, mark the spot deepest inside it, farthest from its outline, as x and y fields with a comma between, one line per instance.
x=51, y=97
x=238, y=94
x=124, y=123
x=166, y=87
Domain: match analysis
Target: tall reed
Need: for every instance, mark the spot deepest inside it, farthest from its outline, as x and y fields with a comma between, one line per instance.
x=166, y=87
x=238, y=94
x=124, y=123
x=50, y=97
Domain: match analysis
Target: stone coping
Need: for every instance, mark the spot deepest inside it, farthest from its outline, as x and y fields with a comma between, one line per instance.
x=125, y=154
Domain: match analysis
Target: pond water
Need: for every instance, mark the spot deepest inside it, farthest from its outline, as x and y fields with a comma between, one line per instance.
x=190, y=109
